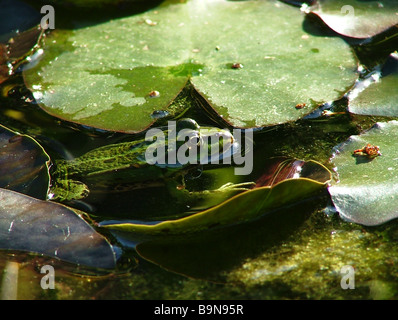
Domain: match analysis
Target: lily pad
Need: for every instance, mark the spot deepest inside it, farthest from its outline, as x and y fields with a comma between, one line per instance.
x=244, y=207
x=377, y=95
x=253, y=73
x=23, y=164
x=367, y=188
x=357, y=18
x=32, y=225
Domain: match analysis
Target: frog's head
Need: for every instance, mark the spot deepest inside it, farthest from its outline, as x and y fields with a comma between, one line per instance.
x=188, y=143
x=203, y=145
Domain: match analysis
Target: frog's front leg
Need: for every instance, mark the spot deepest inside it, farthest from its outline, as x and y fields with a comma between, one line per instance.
x=225, y=191
x=229, y=187
x=67, y=190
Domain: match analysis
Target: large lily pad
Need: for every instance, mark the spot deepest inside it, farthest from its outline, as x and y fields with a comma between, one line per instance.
x=116, y=75
x=32, y=225
x=377, y=96
x=357, y=18
x=367, y=189
x=244, y=207
x=23, y=164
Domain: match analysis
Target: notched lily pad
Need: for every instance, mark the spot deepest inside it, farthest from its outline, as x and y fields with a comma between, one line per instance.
x=32, y=225
x=102, y=75
x=367, y=188
x=23, y=164
x=244, y=207
x=356, y=18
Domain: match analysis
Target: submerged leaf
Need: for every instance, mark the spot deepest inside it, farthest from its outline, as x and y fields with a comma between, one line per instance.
x=208, y=255
x=251, y=60
x=28, y=224
x=367, y=189
x=23, y=164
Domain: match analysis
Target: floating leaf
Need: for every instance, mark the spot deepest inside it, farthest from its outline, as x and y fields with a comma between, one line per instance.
x=44, y=227
x=377, y=96
x=23, y=164
x=356, y=18
x=367, y=189
x=244, y=207
x=253, y=73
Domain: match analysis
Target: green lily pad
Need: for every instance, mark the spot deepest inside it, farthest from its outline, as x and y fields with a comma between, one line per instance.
x=23, y=164
x=367, y=188
x=380, y=96
x=117, y=74
x=244, y=207
x=356, y=18
x=32, y=225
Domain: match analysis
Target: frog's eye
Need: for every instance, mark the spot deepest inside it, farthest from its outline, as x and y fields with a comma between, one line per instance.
x=187, y=123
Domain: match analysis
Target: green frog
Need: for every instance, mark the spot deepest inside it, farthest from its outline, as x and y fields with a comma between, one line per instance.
x=127, y=165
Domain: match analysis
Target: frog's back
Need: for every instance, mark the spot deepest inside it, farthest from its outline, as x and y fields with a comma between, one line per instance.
x=106, y=159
